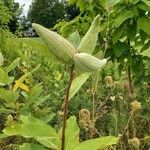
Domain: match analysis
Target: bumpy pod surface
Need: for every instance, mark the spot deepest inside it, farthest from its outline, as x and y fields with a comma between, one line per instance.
x=88, y=42
x=87, y=63
x=59, y=46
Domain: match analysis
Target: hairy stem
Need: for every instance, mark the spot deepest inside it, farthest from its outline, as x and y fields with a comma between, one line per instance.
x=66, y=107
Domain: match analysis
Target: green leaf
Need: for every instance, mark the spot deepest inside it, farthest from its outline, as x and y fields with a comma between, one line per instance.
x=143, y=6
x=134, y=1
x=6, y=111
x=1, y=59
x=30, y=130
x=31, y=120
x=147, y=2
x=31, y=146
x=123, y=16
x=144, y=24
x=8, y=95
x=2, y=136
x=146, y=116
x=35, y=128
x=4, y=78
x=119, y=48
x=12, y=65
x=49, y=142
x=97, y=144
x=74, y=39
x=77, y=84
x=117, y=34
x=109, y=3
x=146, y=52
x=39, y=45
x=34, y=94
x=72, y=133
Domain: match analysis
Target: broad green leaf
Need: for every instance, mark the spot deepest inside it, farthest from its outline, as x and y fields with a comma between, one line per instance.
x=143, y=6
x=4, y=78
x=123, y=16
x=1, y=59
x=146, y=52
x=49, y=142
x=41, y=100
x=8, y=95
x=109, y=3
x=145, y=116
x=144, y=24
x=117, y=34
x=35, y=128
x=48, y=117
x=30, y=130
x=12, y=65
x=31, y=120
x=6, y=111
x=119, y=48
x=74, y=39
x=67, y=29
x=71, y=2
x=97, y=144
x=134, y=1
x=31, y=146
x=89, y=41
x=34, y=94
x=77, y=84
x=72, y=133
x=41, y=47
x=2, y=136
x=147, y=2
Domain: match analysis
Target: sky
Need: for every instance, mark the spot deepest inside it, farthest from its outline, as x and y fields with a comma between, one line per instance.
x=26, y=7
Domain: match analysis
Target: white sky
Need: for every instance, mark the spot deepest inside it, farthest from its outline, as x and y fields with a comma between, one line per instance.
x=26, y=7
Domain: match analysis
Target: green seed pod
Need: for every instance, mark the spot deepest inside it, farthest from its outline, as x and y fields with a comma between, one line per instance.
x=88, y=42
x=87, y=63
x=59, y=46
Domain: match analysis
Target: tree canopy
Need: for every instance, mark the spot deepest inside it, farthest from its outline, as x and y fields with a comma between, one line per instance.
x=10, y=12
x=46, y=12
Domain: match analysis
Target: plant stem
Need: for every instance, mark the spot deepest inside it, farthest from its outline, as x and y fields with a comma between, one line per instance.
x=130, y=81
x=94, y=90
x=66, y=107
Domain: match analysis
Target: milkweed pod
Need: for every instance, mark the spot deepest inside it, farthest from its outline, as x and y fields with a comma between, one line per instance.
x=59, y=46
x=88, y=42
x=87, y=63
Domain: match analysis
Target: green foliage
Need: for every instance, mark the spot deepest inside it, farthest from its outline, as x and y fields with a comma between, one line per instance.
x=77, y=83
x=27, y=146
x=99, y=143
x=74, y=39
x=47, y=136
x=5, y=16
x=11, y=12
x=32, y=85
x=48, y=17
x=12, y=98
x=39, y=45
x=143, y=24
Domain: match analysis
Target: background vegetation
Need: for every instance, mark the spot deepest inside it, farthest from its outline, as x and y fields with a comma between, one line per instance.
x=114, y=101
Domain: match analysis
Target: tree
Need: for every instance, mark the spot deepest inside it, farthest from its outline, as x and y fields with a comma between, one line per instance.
x=4, y=14
x=11, y=12
x=46, y=12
